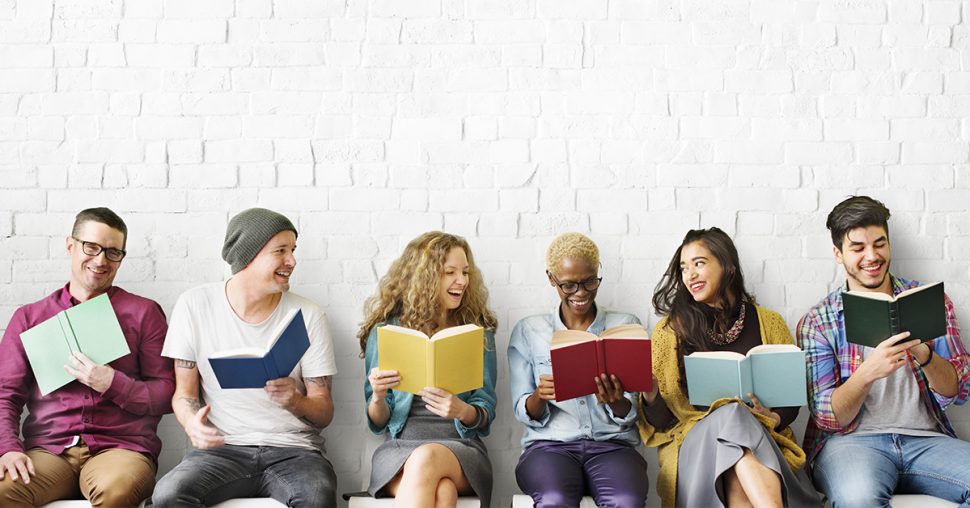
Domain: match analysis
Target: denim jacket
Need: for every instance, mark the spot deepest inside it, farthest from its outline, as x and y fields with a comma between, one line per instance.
x=570, y=420
x=400, y=402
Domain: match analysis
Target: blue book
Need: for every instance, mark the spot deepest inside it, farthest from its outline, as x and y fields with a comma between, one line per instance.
x=774, y=373
x=253, y=367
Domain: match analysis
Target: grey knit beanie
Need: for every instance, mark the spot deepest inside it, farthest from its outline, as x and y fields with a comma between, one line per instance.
x=248, y=232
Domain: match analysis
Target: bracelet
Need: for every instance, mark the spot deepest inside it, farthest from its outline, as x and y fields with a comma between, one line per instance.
x=928, y=358
x=479, y=417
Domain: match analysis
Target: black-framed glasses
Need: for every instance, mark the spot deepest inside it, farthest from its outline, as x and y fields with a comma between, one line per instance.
x=571, y=287
x=93, y=249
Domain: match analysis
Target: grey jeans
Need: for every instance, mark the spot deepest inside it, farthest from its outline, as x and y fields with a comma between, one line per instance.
x=293, y=476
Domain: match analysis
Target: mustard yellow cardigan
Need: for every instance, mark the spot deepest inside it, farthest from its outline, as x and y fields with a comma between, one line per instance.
x=668, y=442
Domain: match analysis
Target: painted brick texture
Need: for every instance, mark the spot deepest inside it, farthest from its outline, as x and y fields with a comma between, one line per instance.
x=507, y=121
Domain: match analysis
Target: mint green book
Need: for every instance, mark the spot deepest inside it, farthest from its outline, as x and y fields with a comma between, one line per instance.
x=775, y=373
x=90, y=327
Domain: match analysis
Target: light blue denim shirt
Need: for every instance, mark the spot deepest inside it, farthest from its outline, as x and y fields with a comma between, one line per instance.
x=571, y=420
x=400, y=402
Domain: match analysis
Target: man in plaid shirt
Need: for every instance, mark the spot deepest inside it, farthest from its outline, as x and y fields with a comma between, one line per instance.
x=878, y=422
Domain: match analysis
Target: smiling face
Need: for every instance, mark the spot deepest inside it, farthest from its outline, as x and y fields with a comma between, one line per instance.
x=865, y=257
x=701, y=272
x=578, y=305
x=272, y=268
x=454, y=279
x=93, y=275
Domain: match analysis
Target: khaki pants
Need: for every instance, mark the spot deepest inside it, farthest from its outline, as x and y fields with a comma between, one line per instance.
x=111, y=478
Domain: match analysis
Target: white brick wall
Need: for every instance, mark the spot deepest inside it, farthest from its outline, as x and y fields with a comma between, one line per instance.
x=509, y=122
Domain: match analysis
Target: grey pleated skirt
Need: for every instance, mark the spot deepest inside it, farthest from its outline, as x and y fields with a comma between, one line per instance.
x=425, y=427
x=717, y=443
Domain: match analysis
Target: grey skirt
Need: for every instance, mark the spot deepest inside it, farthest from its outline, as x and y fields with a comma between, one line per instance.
x=425, y=427
x=717, y=443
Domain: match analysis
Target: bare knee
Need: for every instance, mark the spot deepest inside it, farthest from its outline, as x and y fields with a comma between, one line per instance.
x=446, y=495
x=734, y=491
x=424, y=464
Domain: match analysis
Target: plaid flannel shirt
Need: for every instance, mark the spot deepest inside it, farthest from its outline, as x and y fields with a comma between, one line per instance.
x=831, y=360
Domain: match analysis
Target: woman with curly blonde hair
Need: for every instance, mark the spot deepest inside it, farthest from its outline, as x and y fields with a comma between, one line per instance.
x=433, y=452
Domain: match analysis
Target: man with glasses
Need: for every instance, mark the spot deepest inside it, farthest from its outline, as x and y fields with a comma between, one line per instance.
x=95, y=437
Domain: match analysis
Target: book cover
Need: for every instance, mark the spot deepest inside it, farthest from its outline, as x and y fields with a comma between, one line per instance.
x=253, y=367
x=872, y=317
x=91, y=328
x=452, y=359
x=775, y=373
x=579, y=356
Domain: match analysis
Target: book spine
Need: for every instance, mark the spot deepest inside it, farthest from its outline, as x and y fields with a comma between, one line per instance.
x=269, y=363
x=601, y=356
x=894, y=318
x=68, y=332
x=429, y=376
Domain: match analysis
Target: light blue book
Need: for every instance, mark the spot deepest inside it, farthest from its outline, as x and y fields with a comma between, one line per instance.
x=774, y=373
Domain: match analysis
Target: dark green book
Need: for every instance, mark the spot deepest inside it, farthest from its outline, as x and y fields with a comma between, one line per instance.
x=872, y=317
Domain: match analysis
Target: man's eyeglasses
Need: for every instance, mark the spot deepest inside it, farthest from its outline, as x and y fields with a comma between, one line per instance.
x=571, y=287
x=93, y=249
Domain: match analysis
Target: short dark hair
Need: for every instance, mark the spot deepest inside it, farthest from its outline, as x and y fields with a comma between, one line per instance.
x=104, y=216
x=856, y=212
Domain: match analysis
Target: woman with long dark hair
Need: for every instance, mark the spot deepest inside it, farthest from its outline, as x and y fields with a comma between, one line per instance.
x=737, y=455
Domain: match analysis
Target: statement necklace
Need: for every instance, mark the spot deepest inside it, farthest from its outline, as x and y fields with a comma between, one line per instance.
x=723, y=339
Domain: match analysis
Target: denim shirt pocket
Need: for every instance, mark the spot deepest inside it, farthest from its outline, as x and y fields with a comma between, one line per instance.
x=542, y=364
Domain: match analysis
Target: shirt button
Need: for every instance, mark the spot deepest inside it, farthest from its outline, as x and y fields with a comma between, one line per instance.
x=582, y=403
x=87, y=420
x=85, y=397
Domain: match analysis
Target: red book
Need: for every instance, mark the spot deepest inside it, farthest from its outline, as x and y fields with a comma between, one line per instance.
x=579, y=356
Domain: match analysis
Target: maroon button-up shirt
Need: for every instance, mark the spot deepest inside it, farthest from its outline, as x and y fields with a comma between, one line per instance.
x=125, y=416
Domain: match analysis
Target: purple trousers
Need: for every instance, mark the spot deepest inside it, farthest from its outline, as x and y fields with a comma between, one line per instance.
x=559, y=474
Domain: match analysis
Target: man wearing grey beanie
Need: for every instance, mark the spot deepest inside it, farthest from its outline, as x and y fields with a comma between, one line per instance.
x=250, y=442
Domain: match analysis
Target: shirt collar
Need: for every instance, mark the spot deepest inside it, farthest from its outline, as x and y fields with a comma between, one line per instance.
x=596, y=328
x=67, y=300
x=895, y=283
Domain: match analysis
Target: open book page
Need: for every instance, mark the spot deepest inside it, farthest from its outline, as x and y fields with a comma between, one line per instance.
x=878, y=295
x=248, y=352
x=627, y=331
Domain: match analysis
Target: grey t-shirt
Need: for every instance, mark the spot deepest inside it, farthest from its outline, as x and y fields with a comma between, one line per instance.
x=893, y=405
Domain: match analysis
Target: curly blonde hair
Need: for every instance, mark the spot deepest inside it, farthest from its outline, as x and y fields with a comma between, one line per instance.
x=573, y=246
x=410, y=289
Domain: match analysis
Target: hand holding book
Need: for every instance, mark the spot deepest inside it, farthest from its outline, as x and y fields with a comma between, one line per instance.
x=888, y=356
x=609, y=390
x=757, y=407
x=448, y=405
x=283, y=391
x=383, y=380
x=89, y=373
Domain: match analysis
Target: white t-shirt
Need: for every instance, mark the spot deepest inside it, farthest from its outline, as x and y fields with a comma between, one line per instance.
x=203, y=323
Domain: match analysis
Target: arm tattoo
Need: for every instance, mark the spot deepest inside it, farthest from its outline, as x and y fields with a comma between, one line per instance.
x=184, y=364
x=192, y=402
x=326, y=381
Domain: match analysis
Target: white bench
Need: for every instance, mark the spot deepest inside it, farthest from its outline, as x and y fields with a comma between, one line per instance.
x=920, y=501
x=524, y=501
x=387, y=502
x=265, y=502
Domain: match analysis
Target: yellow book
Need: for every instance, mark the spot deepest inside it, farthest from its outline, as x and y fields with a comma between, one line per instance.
x=452, y=359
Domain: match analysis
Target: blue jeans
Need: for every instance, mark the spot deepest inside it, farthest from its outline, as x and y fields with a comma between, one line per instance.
x=293, y=476
x=866, y=470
